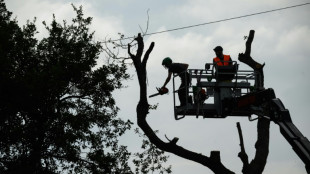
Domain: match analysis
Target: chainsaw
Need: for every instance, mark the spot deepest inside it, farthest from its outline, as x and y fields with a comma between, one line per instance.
x=161, y=91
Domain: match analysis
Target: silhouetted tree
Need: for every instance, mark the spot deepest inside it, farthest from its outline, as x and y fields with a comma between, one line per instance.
x=213, y=161
x=57, y=112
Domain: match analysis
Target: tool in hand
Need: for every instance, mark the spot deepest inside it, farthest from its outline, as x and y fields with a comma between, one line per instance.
x=161, y=91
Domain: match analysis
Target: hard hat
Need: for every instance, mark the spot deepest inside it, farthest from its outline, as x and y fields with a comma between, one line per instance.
x=218, y=48
x=167, y=61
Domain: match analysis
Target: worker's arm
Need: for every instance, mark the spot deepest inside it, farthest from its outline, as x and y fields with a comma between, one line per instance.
x=186, y=66
x=214, y=62
x=168, y=79
x=230, y=63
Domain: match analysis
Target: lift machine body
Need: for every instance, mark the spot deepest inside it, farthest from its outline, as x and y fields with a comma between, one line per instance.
x=222, y=91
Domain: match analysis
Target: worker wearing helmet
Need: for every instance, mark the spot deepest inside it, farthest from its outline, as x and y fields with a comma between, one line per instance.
x=221, y=59
x=180, y=69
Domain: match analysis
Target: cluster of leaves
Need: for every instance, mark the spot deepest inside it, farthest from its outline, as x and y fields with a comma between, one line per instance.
x=57, y=110
x=151, y=159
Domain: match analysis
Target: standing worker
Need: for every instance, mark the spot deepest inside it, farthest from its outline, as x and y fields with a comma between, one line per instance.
x=180, y=69
x=221, y=59
x=221, y=74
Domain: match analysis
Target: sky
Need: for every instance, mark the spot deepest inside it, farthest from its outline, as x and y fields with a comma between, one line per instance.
x=282, y=42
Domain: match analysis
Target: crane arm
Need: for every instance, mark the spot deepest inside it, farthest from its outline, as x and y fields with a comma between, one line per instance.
x=265, y=100
x=299, y=143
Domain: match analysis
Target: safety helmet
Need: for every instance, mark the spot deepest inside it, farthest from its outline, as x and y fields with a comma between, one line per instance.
x=218, y=48
x=166, y=61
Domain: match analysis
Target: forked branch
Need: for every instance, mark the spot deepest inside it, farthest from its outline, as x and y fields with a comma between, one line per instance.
x=213, y=162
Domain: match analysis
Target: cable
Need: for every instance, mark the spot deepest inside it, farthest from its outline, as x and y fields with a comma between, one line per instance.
x=222, y=20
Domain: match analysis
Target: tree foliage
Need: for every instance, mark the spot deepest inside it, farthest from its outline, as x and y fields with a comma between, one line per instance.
x=151, y=159
x=57, y=112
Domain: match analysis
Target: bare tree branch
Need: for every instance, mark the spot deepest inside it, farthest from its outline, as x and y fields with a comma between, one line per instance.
x=73, y=96
x=257, y=165
x=147, y=54
x=213, y=162
x=247, y=59
x=140, y=49
x=242, y=154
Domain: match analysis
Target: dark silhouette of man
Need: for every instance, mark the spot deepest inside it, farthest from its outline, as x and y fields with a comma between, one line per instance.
x=180, y=69
x=221, y=59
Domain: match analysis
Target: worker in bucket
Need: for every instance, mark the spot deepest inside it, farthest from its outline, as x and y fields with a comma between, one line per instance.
x=221, y=59
x=181, y=70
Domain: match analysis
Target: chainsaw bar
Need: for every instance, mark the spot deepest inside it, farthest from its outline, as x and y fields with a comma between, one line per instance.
x=161, y=91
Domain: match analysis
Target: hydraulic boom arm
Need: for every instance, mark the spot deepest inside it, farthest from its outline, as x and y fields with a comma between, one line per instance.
x=299, y=143
x=234, y=96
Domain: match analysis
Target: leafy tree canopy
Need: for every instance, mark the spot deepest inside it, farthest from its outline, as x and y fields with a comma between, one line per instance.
x=57, y=112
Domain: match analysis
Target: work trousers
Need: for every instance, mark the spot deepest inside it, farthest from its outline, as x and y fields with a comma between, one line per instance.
x=183, y=89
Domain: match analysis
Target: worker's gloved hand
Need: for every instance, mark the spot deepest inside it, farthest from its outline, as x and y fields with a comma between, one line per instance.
x=163, y=90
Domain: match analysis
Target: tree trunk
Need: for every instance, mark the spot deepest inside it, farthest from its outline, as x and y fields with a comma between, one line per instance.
x=213, y=162
x=257, y=165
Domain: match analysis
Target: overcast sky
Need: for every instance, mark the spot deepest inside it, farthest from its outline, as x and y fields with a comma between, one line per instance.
x=282, y=41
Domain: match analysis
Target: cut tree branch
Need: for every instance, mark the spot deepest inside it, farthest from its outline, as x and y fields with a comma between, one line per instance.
x=242, y=154
x=247, y=59
x=257, y=165
x=213, y=162
x=147, y=54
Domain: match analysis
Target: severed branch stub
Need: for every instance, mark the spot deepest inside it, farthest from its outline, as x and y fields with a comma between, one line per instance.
x=247, y=59
x=173, y=141
x=215, y=156
x=257, y=165
x=242, y=154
